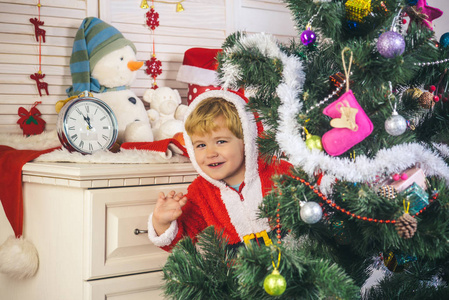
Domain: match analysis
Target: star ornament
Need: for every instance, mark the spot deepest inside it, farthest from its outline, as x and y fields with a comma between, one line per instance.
x=424, y=14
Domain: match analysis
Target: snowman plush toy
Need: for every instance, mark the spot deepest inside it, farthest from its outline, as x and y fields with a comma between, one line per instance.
x=103, y=62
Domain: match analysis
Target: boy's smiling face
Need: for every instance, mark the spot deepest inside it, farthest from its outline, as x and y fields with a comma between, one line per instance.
x=220, y=154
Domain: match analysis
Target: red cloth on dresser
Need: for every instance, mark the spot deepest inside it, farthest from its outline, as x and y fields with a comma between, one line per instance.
x=11, y=163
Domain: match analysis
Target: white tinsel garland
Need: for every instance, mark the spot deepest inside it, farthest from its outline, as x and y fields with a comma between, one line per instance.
x=363, y=169
x=266, y=44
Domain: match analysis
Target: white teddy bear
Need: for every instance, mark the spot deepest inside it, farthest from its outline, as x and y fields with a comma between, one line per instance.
x=166, y=112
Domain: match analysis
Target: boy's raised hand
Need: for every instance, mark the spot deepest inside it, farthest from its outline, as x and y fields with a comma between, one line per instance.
x=167, y=209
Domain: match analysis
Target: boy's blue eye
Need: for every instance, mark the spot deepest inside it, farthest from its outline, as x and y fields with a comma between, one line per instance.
x=221, y=141
x=200, y=145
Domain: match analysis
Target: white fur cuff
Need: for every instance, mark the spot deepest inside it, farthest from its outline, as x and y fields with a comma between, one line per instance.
x=164, y=239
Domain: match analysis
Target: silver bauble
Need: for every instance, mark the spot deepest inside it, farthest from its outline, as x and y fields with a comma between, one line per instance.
x=311, y=212
x=396, y=124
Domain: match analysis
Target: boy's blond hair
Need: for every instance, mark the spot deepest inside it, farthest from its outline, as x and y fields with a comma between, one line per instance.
x=202, y=119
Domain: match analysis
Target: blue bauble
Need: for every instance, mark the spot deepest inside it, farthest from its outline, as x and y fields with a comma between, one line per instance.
x=353, y=25
x=308, y=37
x=444, y=40
x=412, y=2
x=390, y=44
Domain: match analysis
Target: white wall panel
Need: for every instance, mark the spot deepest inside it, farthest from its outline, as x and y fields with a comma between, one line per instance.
x=204, y=23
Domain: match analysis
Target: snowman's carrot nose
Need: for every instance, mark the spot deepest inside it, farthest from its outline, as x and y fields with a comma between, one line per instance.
x=135, y=65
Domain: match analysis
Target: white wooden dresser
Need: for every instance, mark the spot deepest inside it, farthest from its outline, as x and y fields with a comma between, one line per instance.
x=82, y=219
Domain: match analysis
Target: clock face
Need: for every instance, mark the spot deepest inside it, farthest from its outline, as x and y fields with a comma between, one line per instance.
x=87, y=125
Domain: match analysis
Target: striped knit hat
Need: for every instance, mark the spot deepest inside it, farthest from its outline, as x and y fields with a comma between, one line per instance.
x=94, y=39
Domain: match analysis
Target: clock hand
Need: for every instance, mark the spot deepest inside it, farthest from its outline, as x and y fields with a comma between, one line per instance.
x=87, y=119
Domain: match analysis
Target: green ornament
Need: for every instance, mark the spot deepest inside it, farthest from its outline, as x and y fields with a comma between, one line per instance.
x=31, y=120
x=313, y=142
x=275, y=284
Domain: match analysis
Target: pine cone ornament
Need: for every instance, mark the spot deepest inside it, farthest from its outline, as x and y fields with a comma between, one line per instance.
x=406, y=226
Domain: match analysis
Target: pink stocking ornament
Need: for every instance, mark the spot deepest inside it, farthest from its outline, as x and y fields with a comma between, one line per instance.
x=350, y=122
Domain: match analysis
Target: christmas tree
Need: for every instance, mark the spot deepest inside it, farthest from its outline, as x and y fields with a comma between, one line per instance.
x=359, y=107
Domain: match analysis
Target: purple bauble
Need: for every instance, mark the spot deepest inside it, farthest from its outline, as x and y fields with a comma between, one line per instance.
x=308, y=37
x=390, y=44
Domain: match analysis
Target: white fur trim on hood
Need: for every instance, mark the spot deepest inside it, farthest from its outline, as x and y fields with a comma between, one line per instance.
x=243, y=214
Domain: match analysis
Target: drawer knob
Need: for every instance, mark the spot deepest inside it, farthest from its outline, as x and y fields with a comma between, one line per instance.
x=139, y=231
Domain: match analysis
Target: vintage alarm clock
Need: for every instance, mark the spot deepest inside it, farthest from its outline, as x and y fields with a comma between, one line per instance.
x=87, y=124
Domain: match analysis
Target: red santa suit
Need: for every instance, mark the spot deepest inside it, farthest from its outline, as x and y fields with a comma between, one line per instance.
x=212, y=202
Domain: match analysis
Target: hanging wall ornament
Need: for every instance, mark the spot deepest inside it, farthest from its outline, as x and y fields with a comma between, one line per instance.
x=154, y=66
x=39, y=34
x=144, y=4
x=31, y=122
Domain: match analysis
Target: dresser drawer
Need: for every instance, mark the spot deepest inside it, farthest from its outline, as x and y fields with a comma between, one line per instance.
x=112, y=215
x=134, y=287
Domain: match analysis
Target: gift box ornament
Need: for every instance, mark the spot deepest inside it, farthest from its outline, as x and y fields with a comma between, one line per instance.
x=417, y=197
x=403, y=259
x=341, y=234
x=337, y=81
x=391, y=263
x=357, y=10
x=397, y=262
x=387, y=191
x=412, y=175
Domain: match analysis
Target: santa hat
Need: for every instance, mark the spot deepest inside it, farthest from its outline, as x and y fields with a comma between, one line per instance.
x=198, y=69
x=18, y=256
x=94, y=39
